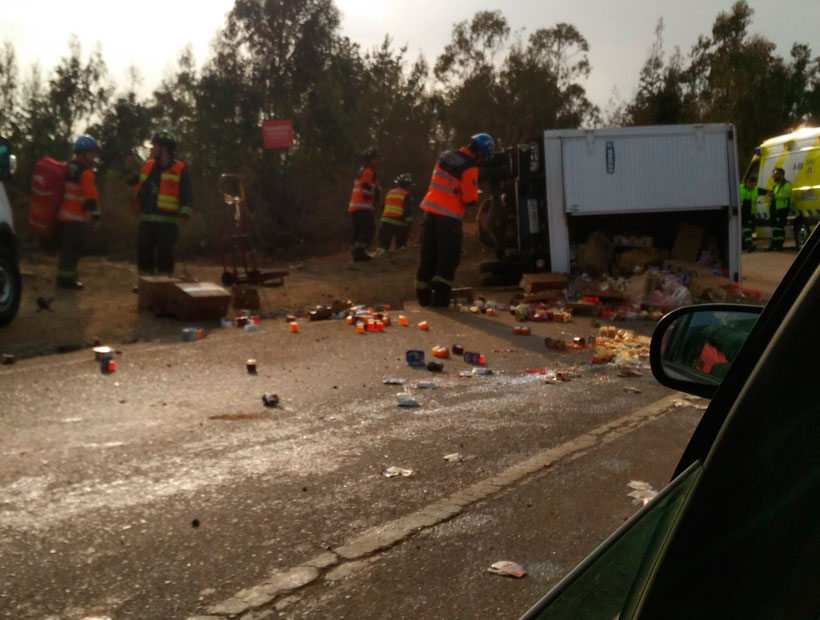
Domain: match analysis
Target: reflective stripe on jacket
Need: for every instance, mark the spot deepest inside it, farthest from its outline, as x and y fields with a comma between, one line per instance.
x=453, y=186
x=363, y=196
x=79, y=194
x=782, y=195
x=161, y=202
x=394, y=205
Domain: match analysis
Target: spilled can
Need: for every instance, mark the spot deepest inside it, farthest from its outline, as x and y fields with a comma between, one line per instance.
x=414, y=357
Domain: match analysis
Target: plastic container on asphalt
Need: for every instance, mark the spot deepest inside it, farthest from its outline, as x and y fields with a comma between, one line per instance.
x=414, y=357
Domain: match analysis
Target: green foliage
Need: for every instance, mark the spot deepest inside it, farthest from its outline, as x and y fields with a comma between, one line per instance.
x=286, y=59
x=730, y=76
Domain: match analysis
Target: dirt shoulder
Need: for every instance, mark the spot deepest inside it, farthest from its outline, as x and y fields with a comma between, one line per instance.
x=106, y=310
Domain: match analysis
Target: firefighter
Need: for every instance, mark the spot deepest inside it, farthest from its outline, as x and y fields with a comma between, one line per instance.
x=453, y=186
x=780, y=197
x=362, y=203
x=163, y=196
x=397, y=215
x=78, y=206
x=748, y=200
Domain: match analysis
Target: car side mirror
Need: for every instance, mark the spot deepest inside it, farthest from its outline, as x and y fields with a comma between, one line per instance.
x=693, y=347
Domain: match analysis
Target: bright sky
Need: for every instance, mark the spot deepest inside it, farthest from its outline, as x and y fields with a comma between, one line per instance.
x=151, y=33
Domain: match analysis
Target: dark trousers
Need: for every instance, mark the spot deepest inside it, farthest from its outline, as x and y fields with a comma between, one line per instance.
x=441, y=239
x=389, y=230
x=363, y=229
x=778, y=221
x=746, y=221
x=155, y=247
x=72, y=242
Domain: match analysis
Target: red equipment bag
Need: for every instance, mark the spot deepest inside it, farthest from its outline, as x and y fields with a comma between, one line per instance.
x=47, y=183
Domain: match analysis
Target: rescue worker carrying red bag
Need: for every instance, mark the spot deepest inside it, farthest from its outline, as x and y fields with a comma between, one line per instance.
x=453, y=186
x=163, y=196
x=78, y=206
x=363, y=198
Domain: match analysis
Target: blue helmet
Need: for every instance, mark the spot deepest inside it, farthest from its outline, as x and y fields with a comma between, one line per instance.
x=85, y=143
x=484, y=143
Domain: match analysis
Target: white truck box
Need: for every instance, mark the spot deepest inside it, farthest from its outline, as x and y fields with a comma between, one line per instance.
x=641, y=170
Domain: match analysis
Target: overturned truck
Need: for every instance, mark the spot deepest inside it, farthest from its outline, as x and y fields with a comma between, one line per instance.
x=582, y=200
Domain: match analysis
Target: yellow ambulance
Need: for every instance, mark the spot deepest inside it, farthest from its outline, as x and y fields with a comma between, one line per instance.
x=798, y=153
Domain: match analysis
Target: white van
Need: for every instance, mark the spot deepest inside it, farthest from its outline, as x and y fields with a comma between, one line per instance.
x=798, y=153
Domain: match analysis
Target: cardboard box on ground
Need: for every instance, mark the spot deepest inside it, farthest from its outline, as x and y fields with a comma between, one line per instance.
x=188, y=301
x=662, y=278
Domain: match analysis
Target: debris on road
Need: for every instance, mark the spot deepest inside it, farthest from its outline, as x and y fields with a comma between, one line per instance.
x=107, y=365
x=8, y=359
x=439, y=351
x=270, y=400
x=393, y=471
x=435, y=366
x=631, y=390
x=44, y=304
x=508, y=569
x=414, y=357
x=250, y=365
x=481, y=371
x=427, y=385
x=455, y=457
x=394, y=381
x=406, y=400
x=189, y=334
x=642, y=493
x=99, y=352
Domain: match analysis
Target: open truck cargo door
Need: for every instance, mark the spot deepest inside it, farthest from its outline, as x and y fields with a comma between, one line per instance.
x=658, y=178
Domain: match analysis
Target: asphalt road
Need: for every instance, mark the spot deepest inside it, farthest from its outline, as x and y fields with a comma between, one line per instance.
x=167, y=490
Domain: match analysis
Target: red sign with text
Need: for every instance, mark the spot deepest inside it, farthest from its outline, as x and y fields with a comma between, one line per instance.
x=277, y=134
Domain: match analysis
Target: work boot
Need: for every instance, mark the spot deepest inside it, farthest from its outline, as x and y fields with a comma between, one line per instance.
x=69, y=284
x=441, y=295
x=425, y=296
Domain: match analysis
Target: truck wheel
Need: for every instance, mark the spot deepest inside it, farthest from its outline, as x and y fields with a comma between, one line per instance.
x=801, y=235
x=11, y=287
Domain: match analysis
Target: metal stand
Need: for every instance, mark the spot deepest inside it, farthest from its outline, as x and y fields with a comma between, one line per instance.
x=235, y=243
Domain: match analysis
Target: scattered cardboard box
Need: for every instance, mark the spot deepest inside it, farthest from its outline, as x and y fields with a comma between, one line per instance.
x=595, y=255
x=153, y=293
x=641, y=258
x=245, y=297
x=584, y=308
x=710, y=287
x=685, y=268
x=196, y=301
x=536, y=282
x=688, y=243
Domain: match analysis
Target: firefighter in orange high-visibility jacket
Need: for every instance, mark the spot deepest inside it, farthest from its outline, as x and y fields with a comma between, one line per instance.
x=453, y=186
x=363, y=198
x=164, y=197
x=397, y=215
x=78, y=206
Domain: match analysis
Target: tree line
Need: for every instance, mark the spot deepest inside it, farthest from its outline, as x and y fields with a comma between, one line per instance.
x=287, y=59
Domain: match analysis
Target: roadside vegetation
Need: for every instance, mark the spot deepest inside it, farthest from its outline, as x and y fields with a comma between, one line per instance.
x=285, y=59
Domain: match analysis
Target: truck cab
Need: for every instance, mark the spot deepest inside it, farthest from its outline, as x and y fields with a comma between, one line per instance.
x=10, y=281
x=798, y=153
